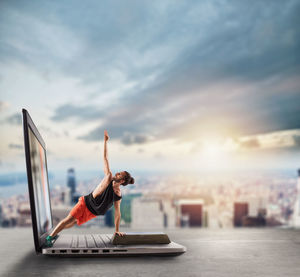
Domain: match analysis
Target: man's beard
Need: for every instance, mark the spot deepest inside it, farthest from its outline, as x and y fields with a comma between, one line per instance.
x=117, y=179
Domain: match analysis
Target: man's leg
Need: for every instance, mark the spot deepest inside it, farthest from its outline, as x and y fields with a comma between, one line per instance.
x=68, y=221
x=71, y=224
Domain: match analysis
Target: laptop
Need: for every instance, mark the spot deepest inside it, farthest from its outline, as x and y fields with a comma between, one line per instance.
x=76, y=245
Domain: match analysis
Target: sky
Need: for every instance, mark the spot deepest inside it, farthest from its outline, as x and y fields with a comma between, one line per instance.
x=185, y=85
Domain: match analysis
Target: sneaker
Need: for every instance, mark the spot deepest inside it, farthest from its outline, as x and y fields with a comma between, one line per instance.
x=49, y=241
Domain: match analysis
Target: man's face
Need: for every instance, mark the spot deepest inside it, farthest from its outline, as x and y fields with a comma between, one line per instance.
x=120, y=176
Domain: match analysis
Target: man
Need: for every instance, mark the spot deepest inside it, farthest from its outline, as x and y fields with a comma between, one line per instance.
x=97, y=202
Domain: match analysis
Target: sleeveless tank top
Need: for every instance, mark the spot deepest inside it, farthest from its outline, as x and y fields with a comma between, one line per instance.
x=101, y=203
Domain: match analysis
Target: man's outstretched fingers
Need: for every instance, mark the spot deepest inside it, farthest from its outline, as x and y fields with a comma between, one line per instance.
x=106, y=136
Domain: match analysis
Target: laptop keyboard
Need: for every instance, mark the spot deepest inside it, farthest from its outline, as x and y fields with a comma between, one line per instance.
x=90, y=241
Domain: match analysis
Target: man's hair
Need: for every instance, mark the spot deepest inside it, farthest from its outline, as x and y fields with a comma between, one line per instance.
x=127, y=179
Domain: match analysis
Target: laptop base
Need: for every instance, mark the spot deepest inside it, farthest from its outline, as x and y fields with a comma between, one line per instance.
x=101, y=245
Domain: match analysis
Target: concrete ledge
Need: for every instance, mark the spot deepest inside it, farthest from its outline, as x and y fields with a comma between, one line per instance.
x=141, y=238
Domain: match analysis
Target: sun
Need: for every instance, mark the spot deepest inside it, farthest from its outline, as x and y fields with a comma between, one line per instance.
x=211, y=149
x=212, y=154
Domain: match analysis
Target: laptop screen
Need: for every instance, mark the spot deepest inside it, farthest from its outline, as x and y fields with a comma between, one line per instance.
x=40, y=184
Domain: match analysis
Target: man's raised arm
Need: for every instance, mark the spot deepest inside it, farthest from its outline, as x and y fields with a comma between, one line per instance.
x=105, y=159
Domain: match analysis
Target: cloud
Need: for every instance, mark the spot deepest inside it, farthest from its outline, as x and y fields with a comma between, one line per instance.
x=215, y=82
x=15, y=119
x=296, y=141
x=49, y=131
x=127, y=134
x=81, y=113
x=250, y=143
x=190, y=117
x=177, y=71
x=15, y=146
x=158, y=155
x=129, y=139
x=3, y=105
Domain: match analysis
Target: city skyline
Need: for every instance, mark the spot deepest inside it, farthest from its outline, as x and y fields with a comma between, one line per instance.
x=193, y=86
x=253, y=200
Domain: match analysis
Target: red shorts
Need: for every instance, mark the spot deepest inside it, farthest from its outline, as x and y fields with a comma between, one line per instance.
x=81, y=212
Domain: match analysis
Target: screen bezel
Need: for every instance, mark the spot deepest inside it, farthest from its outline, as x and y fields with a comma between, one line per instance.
x=39, y=241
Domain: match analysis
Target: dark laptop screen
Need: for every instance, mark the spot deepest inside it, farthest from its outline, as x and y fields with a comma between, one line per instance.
x=40, y=184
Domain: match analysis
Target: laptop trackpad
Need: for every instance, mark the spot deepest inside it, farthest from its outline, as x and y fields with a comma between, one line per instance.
x=141, y=238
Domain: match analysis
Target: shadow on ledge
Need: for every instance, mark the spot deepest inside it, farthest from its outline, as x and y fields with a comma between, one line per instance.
x=32, y=264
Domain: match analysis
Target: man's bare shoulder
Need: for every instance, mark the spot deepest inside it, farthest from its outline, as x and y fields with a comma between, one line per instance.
x=107, y=178
x=103, y=185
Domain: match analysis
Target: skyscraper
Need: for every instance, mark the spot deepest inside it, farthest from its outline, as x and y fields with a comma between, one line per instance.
x=240, y=211
x=0, y=214
x=109, y=218
x=190, y=209
x=297, y=204
x=71, y=182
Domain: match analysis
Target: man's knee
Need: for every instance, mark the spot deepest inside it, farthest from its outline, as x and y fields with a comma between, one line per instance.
x=74, y=221
x=69, y=219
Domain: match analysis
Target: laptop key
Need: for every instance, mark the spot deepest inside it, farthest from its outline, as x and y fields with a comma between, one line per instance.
x=81, y=241
x=106, y=240
x=98, y=241
x=109, y=237
x=90, y=241
x=74, y=241
x=63, y=241
x=103, y=241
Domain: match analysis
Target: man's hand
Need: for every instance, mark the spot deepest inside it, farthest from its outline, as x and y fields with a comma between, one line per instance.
x=106, y=137
x=121, y=234
x=105, y=159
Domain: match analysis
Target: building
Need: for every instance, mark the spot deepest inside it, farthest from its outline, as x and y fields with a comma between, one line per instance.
x=240, y=211
x=296, y=216
x=256, y=203
x=147, y=214
x=126, y=207
x=24, y=218
x=225, y=219
x=71, y=183
x=169, y=214
x=189, y=212
x=211, y=217
x=0, y=214
x=75, y=197
x=59, y=212
x=66, y=196
x=254, y=221
x=109, y=218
